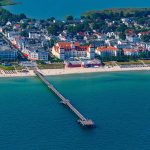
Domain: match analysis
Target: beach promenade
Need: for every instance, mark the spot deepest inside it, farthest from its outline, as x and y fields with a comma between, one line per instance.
x=7, y=74
x=53, y=72
x=90, y=70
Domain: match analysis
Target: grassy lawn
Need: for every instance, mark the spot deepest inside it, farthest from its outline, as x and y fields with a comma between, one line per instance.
x=19, y=68
x=130, y=63
x=138, y=62
x=51, y=66
x=109, y=63
x=7, y=67
x=14, y=66
x=6, y=2
x=146, y=61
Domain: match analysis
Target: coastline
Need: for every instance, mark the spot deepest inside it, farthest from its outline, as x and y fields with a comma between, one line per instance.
x=8, y=3
x=99, y=6
x=17, y=74
x=56, y=72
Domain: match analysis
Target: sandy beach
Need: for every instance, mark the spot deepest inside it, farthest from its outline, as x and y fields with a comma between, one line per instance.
x=53, y=72
x=49, y=72
x=16, y=74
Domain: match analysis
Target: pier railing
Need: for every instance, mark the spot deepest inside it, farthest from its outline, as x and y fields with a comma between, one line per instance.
x=82, y=120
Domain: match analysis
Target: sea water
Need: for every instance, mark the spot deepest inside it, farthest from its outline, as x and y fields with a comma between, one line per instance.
x=60, y=8
x=31, y=117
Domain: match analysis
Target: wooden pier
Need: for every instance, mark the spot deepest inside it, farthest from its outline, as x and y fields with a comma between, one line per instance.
x=82, y=120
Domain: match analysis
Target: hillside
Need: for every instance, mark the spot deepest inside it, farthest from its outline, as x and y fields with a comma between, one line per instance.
x=125, y=11
x=6, y=2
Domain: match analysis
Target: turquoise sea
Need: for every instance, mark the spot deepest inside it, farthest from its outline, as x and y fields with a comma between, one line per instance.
x=31, y=117
x=61, y=8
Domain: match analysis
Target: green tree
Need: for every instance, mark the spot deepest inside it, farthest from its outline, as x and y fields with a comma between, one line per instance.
x=122, y=36
x=24, y=33
x=69, y=18
x=145, y=38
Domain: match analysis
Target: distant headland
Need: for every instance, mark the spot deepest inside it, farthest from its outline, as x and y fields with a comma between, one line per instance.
x=116, y=10
x=63, y=8
x=7, y=2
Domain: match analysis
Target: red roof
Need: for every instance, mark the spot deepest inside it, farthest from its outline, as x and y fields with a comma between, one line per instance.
x=130, y=50
x=107, y=48
x=26, y=55
x=68, y=46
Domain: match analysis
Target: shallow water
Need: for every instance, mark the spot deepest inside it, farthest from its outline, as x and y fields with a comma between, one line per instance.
x=31, y=117
x=61, y=8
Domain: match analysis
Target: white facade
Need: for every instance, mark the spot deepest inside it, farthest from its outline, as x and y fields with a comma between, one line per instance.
x=65, y=50
x=106, y=51
x=36, y=54
x=6, y=53
x=130, y=52
x=133, y=39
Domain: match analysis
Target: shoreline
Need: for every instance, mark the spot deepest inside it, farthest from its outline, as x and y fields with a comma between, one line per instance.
x=56, y=72
x=76, y=15
x=8, y=3
x=69, y=71
x=17, y=74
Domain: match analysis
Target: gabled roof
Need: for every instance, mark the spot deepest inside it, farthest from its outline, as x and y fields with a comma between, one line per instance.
x=107, y=48
x=130, y=50
x=68, y=46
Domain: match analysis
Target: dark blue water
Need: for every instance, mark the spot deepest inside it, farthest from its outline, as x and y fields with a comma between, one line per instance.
x=31, y=117
x=62, y=8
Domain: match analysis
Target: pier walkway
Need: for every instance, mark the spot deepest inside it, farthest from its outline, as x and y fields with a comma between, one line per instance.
x=82, y=120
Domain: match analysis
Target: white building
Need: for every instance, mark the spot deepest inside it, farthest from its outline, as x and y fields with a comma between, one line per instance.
x=65, y=50
x=7, y=53
x=148, y=46
x=132, y=38
x=130, y=52
x=107, y=51
x=36, y=54
x=34, y=35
